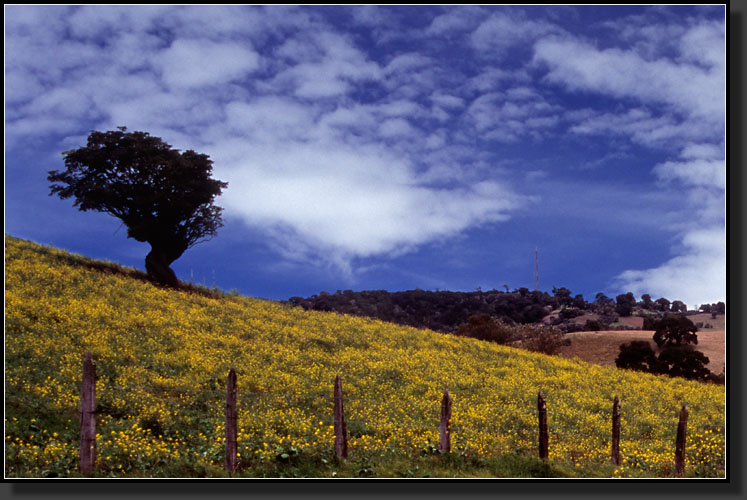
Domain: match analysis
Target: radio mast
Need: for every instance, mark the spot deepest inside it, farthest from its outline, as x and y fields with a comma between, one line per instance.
x=536, y=269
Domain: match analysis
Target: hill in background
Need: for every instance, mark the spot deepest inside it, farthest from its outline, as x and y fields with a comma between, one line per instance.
x=445, y=311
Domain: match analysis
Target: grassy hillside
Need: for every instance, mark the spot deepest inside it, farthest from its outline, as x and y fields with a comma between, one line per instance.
x=162, y=358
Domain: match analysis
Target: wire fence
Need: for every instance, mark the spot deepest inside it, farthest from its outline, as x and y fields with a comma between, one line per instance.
x=206, y=404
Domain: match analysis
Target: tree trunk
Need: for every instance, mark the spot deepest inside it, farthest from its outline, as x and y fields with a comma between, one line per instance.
x=157, y=264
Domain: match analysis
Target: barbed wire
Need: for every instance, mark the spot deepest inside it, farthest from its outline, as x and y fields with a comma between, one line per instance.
x=403, y=403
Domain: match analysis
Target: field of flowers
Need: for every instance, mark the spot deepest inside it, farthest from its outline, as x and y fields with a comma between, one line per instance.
x=162, y=357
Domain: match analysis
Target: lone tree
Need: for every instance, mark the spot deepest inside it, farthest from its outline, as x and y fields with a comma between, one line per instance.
x=163, y=196
x=673, y=329
x=673, y=334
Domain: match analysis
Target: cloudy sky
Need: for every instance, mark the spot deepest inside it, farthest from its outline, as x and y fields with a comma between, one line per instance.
x=395, y=147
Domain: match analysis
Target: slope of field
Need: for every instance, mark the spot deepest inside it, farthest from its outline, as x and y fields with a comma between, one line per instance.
x=603, y=347
x=162, y=357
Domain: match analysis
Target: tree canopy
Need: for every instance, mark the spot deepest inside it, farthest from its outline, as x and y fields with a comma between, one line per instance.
x=673, y=329
x=163, y=196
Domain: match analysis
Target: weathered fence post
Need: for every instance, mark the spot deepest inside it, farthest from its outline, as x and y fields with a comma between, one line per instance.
x=341, y=430
x=543, y=436
x=679, y=448
x=87, y=416
x=615, y=452
x=231, y=418
x=444, y=442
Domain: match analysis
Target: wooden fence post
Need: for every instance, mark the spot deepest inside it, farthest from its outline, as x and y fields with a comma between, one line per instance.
x=341, y=430
x=615, y=453
x=543, y=436
x=87, y=456
x=444, y=442
x=679, y=448
x=231, y=418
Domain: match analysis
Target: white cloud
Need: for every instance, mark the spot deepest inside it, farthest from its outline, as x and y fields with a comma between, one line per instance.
x=353, y=202
x=641, y=126
x=503, y=30
x=687, y=88
x=459, y=19
x=199, y=63
x=326, y=65
x=696, y=276
x=707, y=173
x=508, y=116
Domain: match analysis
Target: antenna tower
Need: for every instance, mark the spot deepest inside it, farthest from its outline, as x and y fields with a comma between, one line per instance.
x=536, y=269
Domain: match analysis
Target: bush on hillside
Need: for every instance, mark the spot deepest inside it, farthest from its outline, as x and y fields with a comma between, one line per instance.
x=541, y=338
x=684, y=361
x=592, y=325
x=485, y=327
x=637, y=355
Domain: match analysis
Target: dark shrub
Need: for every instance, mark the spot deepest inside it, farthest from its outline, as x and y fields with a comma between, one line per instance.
x=485, y=327
x=569, y=313
x=592, y=325
x=543, y=339
x=684, y=361
x=637, y=355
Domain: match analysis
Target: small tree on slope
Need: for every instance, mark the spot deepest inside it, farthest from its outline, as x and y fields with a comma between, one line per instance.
x=164, y=197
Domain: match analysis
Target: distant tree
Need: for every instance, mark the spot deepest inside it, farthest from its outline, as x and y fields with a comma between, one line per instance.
x=705, y=308
x=625, y=304
x=579, y=302
x=674, y=329
x=562, y=297
x=164, y=197
x=646, y=302
x=662, y=304
x=678, y=307
x=719, y=308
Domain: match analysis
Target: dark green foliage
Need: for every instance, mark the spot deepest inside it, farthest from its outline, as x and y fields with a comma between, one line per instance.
x=561, y=297
x=637, y=355
x=625, y=304
x=441, y=311
x=662, y=304
x=674, y=329
x=684, y=361
x=592, y=325
x=444, y=311
x=570, y=312
x=706, y=308
x=544, y=339
x=164, y=197
x=677, y=358
x=646, y=302
x=679, y=307
x=485, y=327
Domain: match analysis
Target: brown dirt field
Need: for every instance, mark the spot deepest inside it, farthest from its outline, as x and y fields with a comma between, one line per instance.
x=632, y=321
x=603, y=347
x=716, y=323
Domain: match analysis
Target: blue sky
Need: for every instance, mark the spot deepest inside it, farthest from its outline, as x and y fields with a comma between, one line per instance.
x=395, y=147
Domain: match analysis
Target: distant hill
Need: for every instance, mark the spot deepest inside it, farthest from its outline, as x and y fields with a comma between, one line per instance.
x=444, y=311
